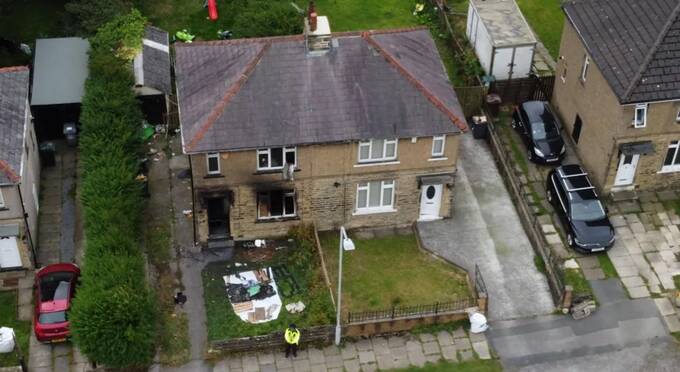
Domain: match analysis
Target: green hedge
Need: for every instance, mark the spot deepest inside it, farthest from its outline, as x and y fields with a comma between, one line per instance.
x=113, y=316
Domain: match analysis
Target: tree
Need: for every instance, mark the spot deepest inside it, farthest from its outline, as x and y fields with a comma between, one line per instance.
x=84, y=17
x=268, y=18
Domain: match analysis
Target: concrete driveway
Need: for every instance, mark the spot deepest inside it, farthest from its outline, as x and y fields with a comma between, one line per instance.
x=622, y=335
x=485, y=230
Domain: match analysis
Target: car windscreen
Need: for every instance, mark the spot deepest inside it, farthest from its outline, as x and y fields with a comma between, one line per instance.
x=544, y=130
x=51, y=318
x=587, y=210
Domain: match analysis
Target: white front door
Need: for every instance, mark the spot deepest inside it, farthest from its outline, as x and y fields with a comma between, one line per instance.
x=626, y=171
x=9, y=253
x=430, y=202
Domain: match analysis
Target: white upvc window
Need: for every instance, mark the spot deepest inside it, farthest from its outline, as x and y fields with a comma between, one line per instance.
x=375, y=196
x=275, y=204
x=672, y=161
x=276, y=157
x=438, y=143
x=640, y=119
x=2, y=200
x=377, y=150
x=213, y=163
x=584, y=69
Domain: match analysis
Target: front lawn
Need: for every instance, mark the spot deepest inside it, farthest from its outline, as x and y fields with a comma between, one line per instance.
x=22, y=329
x=353, y=15
x=546, y=18
x=391, y=271
x=303, y=264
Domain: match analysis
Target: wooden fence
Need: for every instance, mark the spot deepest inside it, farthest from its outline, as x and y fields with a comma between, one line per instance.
x=471, y=99
x=516, y=91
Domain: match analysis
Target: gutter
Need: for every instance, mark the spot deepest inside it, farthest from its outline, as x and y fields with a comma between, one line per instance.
x=28, y=227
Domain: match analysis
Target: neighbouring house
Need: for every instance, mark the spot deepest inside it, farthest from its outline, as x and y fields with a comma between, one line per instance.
x=617, y=91
x=61, y=68
x=19, y=172
x=358, y=129
x=501, y=38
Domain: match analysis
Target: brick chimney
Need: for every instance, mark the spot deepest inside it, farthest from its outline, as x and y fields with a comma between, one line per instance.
x=317, y=32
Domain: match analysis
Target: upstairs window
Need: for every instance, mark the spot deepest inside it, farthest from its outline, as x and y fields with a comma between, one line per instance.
x=213, y=161
x=377, y=150
x=2, y=200
x=438, y=143
x=275, y=204
x=584, y=70
x=640, y=119
x=276, y=157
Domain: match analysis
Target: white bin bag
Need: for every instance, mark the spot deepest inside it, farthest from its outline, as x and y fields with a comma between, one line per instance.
x=6, y=340
x=478, y=323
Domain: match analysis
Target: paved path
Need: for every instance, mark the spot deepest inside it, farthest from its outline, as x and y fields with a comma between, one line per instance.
x=57, y=243
x=622, y=335
x=485, y=230
x=368, y=355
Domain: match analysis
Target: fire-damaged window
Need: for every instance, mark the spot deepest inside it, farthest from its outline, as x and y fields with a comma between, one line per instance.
x=276, y=157
x=274, y=204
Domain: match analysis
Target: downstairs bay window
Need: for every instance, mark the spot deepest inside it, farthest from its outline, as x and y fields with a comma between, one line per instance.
x=275, y=204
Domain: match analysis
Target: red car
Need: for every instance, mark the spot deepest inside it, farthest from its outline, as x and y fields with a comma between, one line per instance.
x=54, y=288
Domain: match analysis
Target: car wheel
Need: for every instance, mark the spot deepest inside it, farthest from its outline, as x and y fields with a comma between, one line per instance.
x=570, y=240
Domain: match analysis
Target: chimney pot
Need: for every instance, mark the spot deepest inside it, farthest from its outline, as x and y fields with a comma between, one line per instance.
x=312, y=21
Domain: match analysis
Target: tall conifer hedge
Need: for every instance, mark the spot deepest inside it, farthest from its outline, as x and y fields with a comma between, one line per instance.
x=113, y=315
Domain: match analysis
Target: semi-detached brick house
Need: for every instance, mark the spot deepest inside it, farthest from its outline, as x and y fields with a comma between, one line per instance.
x=19, y=172
x=353, y=129
x=618, y=90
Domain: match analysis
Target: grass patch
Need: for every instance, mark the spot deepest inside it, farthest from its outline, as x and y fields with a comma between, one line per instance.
x=676, y=280
x=673, y=205
x=302, y=262
x=22, y=329
x=353, y=15
x=470, y=366
x=676, y=335
x=607, y=266
x=437, y=327
x=546, y=18
x=391, y=271
x=575, y=278
x=540, y=264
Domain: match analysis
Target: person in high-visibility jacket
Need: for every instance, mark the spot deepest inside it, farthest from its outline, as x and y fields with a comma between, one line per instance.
x=292, y=336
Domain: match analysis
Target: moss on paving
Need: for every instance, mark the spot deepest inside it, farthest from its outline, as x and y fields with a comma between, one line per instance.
x=607, y=266
x=392, y=271
x=575, y=278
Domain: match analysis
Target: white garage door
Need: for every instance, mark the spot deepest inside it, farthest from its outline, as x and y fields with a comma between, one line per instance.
x=9, y=253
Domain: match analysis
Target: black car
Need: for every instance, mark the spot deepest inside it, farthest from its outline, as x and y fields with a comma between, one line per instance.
x=583, y=215
x=540, y=131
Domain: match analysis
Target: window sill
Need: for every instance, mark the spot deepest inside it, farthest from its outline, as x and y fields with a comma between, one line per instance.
x=361, y=165
x=437, y=159
x=277, y=219
x=220, y=175
x=362, y=212
x=272, y=171
x=668, y=170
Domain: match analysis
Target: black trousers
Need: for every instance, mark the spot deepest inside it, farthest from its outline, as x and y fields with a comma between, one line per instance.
x=291, y=349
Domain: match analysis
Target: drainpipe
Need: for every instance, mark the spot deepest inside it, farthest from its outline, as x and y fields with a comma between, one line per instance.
x=193, y=200
x=28, y=227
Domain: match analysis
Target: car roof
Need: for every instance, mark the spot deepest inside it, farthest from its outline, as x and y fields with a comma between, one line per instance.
x=576, y=182
x=538, y=111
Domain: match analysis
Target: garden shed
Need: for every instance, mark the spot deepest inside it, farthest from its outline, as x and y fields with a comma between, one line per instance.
x=501, y=38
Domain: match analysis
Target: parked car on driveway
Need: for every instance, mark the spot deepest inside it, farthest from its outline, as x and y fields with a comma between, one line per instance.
x=540, y=131
x=54, y=289
x=584, y=217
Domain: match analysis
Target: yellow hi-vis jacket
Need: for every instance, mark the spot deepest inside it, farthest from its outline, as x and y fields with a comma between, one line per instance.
x=292, y=336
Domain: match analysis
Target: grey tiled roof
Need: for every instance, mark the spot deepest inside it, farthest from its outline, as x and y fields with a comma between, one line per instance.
x=251, y=93
x=13, y=100
x=156, y=62
x=635, y=43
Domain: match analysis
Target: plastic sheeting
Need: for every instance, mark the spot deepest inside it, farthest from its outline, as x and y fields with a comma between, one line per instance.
x=6, y=340
x=271, y=305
